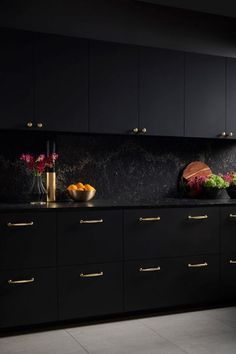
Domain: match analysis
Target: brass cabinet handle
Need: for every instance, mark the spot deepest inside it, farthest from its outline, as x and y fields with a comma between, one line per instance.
x=29, y=124
x=157, y=218
x=155, y=269
x=232, y=215
x=24, y=281
x=99, y=221
x=198, y=217
x=135, y=130
x=232, y=262
x=91, y=275
x=40, y=125
x=197, y=265
x=20, y=224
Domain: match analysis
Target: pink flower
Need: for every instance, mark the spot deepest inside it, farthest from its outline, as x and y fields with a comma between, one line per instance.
x=39, y=163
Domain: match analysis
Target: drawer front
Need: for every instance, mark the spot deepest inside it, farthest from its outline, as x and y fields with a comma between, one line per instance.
x=89, y=237
x=169, y=282
x=27, y=240
x=27, y=297
x=90, y=290
x=170, y=232
x=228, y=229
x=228, y=277
x=199, y=279
x=149, y=284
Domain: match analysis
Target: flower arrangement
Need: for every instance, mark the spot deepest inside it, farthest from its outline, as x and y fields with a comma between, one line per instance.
x=230, y=177
x=39, y=163
x=207, y=185
x=216, y=181
x=194, y=185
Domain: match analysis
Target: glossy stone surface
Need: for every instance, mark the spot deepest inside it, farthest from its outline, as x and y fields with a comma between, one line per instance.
x=122, y=168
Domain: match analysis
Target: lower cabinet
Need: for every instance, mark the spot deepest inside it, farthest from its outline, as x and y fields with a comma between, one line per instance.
x=170, y=282
x=28, y=296
x=228, y=276
x=90, y=290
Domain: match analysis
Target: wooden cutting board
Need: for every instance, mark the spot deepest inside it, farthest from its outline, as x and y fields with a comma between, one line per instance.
x=195, y=169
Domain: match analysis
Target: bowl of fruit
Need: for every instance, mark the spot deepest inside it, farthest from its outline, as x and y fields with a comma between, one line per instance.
x=81, y=192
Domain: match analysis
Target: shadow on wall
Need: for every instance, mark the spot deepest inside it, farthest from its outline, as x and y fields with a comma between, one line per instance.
x=120, y=167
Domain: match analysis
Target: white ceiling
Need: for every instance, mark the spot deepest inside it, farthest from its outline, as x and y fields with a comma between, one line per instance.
x=222, y=7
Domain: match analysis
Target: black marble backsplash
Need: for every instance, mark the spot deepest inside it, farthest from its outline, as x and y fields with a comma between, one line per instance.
x=128, y=168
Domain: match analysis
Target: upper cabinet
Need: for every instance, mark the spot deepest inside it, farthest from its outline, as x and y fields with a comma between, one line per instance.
x=113, y=85
x=161, y=97
x=61, y=83
x=231, y=97
x=205, y=96
x=16, y=79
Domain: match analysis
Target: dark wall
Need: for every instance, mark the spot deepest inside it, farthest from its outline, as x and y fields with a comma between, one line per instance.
x=120, y=167
x=124, y=21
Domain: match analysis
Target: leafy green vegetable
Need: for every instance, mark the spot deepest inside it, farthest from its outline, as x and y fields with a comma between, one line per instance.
x=215, y=181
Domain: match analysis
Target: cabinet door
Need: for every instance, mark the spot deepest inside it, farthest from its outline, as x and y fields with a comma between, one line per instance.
x=169, y=282
x=89, y=237
x=231, y=96
x=228, y=276
x=27, y=240
x=61, y=73
x=113, y=86
x=205, y=95
x=228, y=229
x=16, y=79
x=162, y=92
x=90, y=290
x=28, y=296
x=150, y=284
x=198, y=279
x=151, y=233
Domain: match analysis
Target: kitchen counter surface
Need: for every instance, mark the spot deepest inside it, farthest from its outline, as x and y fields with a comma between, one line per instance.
x=102, y=203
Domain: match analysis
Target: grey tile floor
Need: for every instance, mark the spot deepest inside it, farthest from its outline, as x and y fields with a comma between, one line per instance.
x=198, y=332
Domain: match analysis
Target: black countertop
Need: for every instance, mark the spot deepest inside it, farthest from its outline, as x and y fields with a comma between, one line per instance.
x=110, y=204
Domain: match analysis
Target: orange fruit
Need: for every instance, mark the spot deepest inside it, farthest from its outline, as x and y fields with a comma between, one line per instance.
x=80, y=189
x=80, y=185
x=72, y=187
x=88, y=187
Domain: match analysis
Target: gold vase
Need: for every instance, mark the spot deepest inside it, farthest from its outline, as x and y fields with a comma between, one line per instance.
x=51, y=186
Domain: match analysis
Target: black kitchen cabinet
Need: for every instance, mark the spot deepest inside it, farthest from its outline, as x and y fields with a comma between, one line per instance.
x=228, y=275
x=90, y=237
x=161, y=96
x=90, y=290
x=27, y=240
x=204, y=96
x=61, y=83
x=171, y=282
x=113, y=86
x=16, y=79
x=28, y=296
x=230, y=97
x=150, y=284
x=152, y=233
x=228, y=229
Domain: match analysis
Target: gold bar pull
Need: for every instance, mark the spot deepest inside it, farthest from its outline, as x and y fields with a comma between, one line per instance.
x=197, y=265
x=91, y=275
x=232, y=262
x=198, y=217
x=155, y=269
x=232, y=215
x=157, y=218
x=91, y=221
x=24, y=281
x=20, y=224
